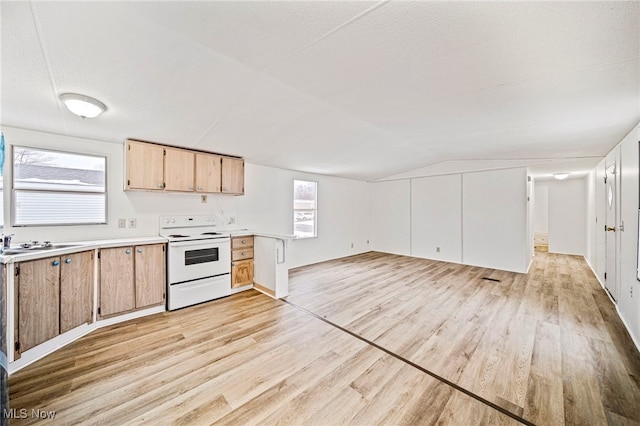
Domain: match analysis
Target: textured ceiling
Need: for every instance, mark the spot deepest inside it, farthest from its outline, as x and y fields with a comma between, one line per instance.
x=364, y=90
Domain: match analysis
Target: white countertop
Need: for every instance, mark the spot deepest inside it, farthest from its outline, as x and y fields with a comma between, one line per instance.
x=247, y=232
x=77, y=246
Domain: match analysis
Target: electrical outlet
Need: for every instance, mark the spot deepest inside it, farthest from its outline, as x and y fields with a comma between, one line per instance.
x=133, y=223
x=437, y=249
x=203, y=198
x=351, y=245
x=122, y=223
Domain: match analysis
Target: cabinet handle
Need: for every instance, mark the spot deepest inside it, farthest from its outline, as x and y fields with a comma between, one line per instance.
x=139, y=250
x=243, y=253
x=244, y=241
x=160, y=185
x=128, y=251
x=67, y=261
x=199, y=188
x=191, y=187
x=56, y=263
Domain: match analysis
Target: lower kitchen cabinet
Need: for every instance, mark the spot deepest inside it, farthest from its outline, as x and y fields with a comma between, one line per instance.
x=241, y=273
x=76, y=290
x=241, y=261
x=131, y=277
x=117, y=292
x=150, y=275
x=53, y=295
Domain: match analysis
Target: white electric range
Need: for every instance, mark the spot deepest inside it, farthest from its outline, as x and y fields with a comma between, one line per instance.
x=198, y=260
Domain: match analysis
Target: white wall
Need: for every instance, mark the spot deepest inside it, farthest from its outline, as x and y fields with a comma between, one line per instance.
x=592, y=219
x=628, y=304
x=629, y=300
x=391, y=228
x=267, y=204
x=567, y=216
x=541, y=209
x=494, y=219
x=344, y=212
x=413, y=216
x=436, y=217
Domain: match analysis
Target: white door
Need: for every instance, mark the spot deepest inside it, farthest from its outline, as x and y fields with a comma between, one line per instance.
x=611, y=230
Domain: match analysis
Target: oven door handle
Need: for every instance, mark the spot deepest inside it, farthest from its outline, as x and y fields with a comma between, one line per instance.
x=196, y=243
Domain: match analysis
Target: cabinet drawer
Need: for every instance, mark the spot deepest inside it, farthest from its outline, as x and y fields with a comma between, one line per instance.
x=241, y=242
x=242, y=254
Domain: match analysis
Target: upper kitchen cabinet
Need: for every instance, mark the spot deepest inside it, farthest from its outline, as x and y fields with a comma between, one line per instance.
x=232, y=176
x=145, y=166
x=179, y=170
x=208, y=173
x=155, y=167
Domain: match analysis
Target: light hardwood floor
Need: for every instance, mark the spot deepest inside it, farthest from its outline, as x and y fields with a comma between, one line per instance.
x=547, y=346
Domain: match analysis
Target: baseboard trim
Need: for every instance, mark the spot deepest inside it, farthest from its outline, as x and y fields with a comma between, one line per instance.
x=265, y=290
x=635, y=341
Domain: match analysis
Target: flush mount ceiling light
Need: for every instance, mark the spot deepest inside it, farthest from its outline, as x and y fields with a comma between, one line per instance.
x=561, y=176
x=82, y=105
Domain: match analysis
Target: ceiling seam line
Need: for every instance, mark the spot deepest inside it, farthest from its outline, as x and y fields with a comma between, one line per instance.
x=43, y=50
x=292, y=54
x=330, y=32
x=562, y=74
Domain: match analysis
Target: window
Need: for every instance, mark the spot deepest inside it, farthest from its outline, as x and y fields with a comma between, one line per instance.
x=58, y=188
x=305, y=209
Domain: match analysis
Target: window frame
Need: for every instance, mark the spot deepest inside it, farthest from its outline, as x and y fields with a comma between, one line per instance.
x=314, y=210
x=13, y=212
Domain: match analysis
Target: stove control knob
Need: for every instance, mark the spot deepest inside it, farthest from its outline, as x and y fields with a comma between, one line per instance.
x=173, y=220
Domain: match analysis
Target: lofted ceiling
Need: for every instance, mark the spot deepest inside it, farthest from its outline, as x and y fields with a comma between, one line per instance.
x=357, y=89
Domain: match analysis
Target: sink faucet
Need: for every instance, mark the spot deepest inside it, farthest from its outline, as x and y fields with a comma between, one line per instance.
x=6, y=240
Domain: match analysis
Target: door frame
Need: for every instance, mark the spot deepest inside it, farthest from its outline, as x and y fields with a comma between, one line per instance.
x=612, y=278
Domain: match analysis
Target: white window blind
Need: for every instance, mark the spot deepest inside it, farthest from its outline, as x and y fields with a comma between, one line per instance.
x=58, y=188
x=305, y=209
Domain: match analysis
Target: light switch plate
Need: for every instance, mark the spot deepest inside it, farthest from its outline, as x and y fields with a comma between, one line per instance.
x=122, y=223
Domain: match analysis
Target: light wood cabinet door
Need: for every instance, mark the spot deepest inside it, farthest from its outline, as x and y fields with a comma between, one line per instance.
x=76, y=290
x=150, y=275
x=179, y=169
x=38, y=286
x=208, y=173
x=145, y=166
x=241, y=242
x=232, y=175
x=117, y=293
x=3, y=315
x=241, y=273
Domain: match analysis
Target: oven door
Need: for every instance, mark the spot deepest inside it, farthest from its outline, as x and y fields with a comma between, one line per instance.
x=193, y=260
